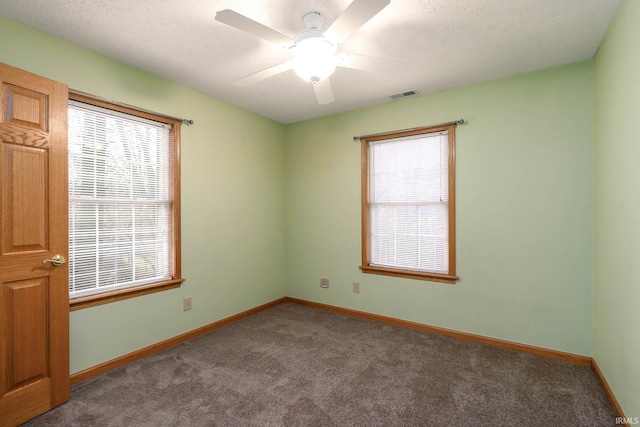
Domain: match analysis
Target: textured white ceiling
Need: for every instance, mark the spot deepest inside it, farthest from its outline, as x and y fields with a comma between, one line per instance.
x=445, y=43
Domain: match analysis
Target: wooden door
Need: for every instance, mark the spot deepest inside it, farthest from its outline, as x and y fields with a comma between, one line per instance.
x=34, y=296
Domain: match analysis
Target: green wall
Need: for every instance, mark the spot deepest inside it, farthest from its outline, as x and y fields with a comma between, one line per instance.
x=232, y=200
x=616, y=319
x=524, y=210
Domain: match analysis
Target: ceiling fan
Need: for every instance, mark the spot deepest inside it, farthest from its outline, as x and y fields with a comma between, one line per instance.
x=315, y=50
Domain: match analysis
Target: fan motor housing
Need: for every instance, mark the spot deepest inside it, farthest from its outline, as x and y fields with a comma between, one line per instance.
x=309, y=34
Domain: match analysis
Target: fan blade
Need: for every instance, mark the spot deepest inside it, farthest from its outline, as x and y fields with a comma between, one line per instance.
x=241, y=22
x=353, y=17
x=264, y=74
x=368, y=63
x=324, y=93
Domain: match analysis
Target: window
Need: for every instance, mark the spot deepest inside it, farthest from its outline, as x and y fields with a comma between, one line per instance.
x=408, y=204
x=124, y=202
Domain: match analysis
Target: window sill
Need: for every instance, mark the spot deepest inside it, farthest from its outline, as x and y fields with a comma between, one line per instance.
x=122, y=294
x=408, y=274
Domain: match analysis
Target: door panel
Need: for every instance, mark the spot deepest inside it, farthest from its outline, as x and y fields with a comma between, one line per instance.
x=24, y=117
x=25, y=337
x=34, y=296
x=25, y=185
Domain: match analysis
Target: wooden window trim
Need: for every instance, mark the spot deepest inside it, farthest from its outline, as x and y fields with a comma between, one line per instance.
x=122, y=294
x=176, y=247
x=366, y=266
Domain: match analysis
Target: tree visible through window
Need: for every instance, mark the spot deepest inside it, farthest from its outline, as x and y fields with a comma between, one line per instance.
x=123, y=201
x=408, y=204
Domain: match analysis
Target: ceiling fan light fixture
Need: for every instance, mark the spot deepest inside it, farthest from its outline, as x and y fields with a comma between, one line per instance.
x=315, y=59
x=314, y=49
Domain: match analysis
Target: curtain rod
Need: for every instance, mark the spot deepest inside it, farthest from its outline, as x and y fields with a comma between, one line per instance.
x=456, y=122
x=187, y=122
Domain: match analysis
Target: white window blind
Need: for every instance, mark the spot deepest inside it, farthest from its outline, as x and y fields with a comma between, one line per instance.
x=409, y=202
x=119, y=200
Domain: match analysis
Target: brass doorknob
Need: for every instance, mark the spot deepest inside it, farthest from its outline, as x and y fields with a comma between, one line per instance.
x=56, y=260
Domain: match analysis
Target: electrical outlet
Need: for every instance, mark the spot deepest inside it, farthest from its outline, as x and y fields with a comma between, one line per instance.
x=324, y=283
x=356, y=287
x=186, y=304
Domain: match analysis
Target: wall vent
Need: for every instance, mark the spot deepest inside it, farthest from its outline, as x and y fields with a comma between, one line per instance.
x=404, y=94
